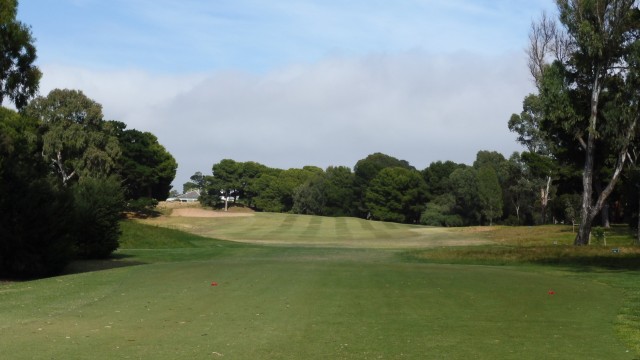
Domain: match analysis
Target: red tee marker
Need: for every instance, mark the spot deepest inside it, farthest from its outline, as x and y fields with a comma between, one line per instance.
x=551, y=292
x=214, y=284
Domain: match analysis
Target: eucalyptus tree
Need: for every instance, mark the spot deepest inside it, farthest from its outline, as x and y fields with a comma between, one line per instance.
x=587, y=68
x=76, y=140
x=489, y=193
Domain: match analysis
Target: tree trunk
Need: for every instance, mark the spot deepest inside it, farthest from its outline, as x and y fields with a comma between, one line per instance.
x=544, y=200
x=638, y=233
x=604, y=215
x=584, y=231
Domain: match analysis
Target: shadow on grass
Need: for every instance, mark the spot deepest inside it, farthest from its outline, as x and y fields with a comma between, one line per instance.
x=141, y=214
x=578, y=259
x=588, y=263
x=114, y=262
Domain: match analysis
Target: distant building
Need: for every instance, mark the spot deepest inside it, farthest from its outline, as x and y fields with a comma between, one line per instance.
x=191, y=196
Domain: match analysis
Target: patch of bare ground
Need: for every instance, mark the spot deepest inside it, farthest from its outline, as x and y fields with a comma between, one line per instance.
x=206, y=213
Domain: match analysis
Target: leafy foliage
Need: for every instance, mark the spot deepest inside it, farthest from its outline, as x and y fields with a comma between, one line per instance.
x=489, y=193
x=98, y=205
x=76, y=139
x=19, y=77
x=396, y=194
x=34, y=231
x=146, y=167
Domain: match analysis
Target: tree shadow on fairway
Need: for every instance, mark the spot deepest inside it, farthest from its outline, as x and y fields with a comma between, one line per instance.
x=575, y=258
x=114, y=262
x=628, y=262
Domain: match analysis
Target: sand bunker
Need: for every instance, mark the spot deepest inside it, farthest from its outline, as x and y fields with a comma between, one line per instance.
x=204, y=213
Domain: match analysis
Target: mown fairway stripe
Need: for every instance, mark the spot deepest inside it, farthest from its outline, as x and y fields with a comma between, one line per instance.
x=341, y=228
x=285, y=226
x=375, y=229
x=313, y=226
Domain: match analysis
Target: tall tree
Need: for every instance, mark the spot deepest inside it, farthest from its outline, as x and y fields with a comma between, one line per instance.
x=35, y=225
x=19, y=77
x=76, y=139
x=464, y=182
x=591, y=91
x=396, y=194
x=367, y=169
x=146, y=167
x=340, y=196
x=250, y=171
x=437, y=175
x=489, y=193
x=226, y=178
x=197, y=182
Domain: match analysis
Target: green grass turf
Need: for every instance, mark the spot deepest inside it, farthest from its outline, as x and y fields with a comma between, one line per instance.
x=305, y=230
x=301, y=302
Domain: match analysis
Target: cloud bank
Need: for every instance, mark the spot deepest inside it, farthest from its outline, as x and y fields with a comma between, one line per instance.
x=414, y=105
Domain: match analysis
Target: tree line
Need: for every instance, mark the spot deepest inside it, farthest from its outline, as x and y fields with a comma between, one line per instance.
x=66, y=173
x=493, y=189
x=580, y=129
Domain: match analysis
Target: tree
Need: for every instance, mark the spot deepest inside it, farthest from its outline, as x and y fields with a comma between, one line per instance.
x=76, y=139
x=19, y=77
x=98, y=205
x=590, y=93
x=269, y=192
x=309, y=198
x=276, y=188
x=197, y=182
x=36, y=221
x=440, y=212
x=250, y=171
x=367, y=169
x=520, y=189
x=396, y=194
x=437, y=175
x=226, y=178
x=489, y=193
x=464, y=182
x=339, y=187
x=146, y=167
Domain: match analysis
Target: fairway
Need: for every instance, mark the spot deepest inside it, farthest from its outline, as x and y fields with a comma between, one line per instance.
x=305, y=302
x=306, y=230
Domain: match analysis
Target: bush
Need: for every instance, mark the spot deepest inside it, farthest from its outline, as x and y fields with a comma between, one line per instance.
x=34, y=230
x=142, y=205
x=35, y=214
x=98, y=205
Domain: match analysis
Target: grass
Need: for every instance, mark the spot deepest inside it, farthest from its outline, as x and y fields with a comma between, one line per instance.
x=310, y=231
x=547, y=245
x=293, y=291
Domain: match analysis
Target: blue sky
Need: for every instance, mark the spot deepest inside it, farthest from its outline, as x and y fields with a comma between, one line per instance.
x=290, y=83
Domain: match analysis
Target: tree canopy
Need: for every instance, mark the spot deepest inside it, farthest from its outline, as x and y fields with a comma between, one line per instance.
x=19, y=77
x=77, y=141
x=586, y=67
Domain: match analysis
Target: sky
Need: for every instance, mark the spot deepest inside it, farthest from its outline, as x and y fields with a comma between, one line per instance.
x=290, y=83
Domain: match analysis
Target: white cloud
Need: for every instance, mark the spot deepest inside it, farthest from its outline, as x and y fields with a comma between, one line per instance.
x=414, y=106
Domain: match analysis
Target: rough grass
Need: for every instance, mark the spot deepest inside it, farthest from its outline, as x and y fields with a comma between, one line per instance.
x=548, y=245
x=309, y=301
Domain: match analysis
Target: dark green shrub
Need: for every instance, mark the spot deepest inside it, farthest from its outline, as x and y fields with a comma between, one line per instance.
x=35, y=213
x=98, y=205
x=142, y=205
